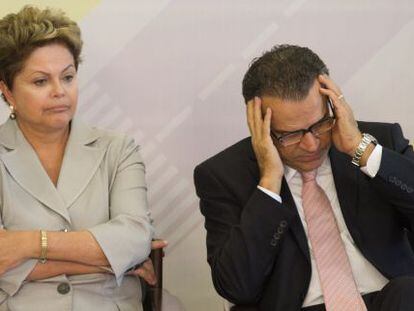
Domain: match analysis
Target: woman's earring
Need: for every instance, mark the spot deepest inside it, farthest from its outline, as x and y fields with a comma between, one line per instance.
x=12, y=113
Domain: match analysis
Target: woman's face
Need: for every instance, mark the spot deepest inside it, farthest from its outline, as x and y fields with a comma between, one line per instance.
x=45, y=91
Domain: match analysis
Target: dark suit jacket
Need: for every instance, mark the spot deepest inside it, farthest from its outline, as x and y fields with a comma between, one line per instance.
x=257, y=248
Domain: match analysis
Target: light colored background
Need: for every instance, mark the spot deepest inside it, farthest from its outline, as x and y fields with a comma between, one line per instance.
x=169, y=73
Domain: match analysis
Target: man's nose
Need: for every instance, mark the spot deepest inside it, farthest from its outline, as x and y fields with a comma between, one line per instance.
x=309, y=142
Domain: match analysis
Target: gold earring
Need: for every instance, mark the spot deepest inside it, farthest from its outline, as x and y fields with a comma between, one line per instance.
x=12, y=113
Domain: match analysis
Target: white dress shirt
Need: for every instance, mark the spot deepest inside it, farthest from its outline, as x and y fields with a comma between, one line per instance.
x=367, y=277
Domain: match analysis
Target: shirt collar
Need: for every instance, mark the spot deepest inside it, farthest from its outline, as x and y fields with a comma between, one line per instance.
x=324, y=169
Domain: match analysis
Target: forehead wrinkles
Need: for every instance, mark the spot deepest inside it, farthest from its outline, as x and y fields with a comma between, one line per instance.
x=296, y=116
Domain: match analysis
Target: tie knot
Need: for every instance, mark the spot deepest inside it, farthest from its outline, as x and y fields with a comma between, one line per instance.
x=308, y=176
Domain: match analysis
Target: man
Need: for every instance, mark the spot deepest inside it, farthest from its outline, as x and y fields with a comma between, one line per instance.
x=311, y=212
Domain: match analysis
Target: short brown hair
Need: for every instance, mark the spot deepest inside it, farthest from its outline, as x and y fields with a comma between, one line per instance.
x=21, y=33
x=286, y=71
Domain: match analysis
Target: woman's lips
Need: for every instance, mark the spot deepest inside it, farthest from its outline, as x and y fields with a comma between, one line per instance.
x=58, y=108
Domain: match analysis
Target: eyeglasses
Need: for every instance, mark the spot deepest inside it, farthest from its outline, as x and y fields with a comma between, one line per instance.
x=317, y=129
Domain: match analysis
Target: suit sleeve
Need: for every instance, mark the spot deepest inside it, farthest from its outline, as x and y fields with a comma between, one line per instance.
x=126, y=237
x=395, y=178
x=243, y=240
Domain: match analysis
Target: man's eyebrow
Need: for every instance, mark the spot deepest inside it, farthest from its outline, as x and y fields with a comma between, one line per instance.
x=286, y=132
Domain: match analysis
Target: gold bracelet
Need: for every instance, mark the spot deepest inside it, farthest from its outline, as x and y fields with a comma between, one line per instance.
x=43, y=246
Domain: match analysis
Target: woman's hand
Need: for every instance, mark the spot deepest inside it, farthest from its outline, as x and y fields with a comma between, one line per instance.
x=146, y=269
x=15, y=247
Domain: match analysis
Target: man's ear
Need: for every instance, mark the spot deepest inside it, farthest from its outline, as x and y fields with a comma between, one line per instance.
x=6, y=93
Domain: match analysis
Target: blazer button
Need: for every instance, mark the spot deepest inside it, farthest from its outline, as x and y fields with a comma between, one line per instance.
x=409, y=189
x=63, y=288
x=391, y=179
x=280, y=230
x=283, y=224
x=273, y=242
x=398, y=182
x=404, y=187
x=276, y=236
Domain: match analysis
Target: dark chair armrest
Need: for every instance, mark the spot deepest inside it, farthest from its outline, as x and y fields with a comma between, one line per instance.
x=152, y=295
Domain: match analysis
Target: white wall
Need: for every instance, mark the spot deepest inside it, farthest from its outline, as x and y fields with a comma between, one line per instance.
x=169, y=73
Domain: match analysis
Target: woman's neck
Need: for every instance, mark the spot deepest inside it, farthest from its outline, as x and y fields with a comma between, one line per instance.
x=41, y=138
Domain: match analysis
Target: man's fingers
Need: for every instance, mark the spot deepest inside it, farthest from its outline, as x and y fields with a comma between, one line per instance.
x=266, y=122
x=249, y=115
x=254, y=117
x=338, y=104
x=156, y=244
x=331, y=94
x=327, y=81
x=258, y=118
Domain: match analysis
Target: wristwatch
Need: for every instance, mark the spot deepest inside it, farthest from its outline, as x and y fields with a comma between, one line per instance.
x=366, y=140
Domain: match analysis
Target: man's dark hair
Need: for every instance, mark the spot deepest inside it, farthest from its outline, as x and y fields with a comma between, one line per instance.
x=286, y=72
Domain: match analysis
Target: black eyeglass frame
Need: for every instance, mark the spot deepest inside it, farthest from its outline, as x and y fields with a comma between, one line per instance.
x=280, y=137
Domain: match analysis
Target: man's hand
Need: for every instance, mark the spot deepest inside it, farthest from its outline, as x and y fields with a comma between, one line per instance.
x=268, y=159
x=345, y=134
x=146, y=270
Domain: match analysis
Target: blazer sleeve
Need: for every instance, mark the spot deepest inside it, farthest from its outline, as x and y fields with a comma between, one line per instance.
x=395, y=178
x=126, y=238
x=243, y=239
x=12, y=280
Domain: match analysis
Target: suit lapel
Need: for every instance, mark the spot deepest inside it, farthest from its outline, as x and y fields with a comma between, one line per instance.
x=24, y=166
x=82, y=159
x=346, y=177
x=296, y=224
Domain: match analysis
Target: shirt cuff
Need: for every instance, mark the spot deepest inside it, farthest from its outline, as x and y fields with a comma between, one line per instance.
x=271, y=194
x=373, y=163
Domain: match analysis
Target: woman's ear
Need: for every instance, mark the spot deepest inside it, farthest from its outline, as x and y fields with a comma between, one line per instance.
x=6, y=93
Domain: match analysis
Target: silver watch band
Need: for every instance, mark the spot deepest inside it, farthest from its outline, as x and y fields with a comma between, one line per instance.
x=366, y=140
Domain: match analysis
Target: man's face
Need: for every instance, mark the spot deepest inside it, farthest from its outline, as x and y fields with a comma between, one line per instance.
x=289, y=116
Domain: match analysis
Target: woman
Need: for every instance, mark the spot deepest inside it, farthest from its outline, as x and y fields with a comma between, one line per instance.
x=72, y=198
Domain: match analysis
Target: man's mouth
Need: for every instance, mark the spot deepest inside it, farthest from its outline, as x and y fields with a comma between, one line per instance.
x=310, y=158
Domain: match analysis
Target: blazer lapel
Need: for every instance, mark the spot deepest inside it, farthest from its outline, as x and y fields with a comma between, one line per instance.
x=24, y=166
x=296, y=224
x=346, y=176
x=82, y=159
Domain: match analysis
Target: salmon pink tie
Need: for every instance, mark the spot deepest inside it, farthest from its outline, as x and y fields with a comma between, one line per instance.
x=339, y=289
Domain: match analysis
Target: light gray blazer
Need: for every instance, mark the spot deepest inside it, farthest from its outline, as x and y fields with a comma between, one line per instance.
x=101, y=188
